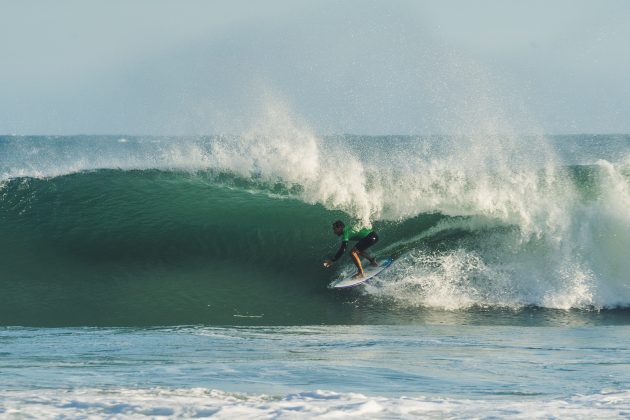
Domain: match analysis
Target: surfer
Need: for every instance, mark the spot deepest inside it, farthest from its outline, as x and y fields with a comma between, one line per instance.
x=366, y=237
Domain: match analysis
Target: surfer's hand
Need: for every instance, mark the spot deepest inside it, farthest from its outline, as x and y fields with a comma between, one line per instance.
x=328, y=263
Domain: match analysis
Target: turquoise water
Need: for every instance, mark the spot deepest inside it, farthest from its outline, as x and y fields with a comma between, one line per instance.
x=149, y=276
x=427, y=370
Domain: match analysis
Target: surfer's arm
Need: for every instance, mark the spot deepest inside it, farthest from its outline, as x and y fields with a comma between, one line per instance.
x=342, y=249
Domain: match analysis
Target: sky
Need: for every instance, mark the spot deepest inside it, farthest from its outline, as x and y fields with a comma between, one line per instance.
x=364, y=67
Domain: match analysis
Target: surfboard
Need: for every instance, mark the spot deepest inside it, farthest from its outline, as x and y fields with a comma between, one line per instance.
x=369, y=272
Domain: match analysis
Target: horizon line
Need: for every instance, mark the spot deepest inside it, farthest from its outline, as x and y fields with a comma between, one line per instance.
x=317, y=134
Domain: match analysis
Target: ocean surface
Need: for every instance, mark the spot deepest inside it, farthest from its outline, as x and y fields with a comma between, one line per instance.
x=183, y=277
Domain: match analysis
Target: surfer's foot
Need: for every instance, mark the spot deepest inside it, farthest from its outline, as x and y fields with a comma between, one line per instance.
x=358, y=276
x=373, y=262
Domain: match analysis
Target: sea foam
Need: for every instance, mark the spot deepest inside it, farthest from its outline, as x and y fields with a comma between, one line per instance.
x=202, y=402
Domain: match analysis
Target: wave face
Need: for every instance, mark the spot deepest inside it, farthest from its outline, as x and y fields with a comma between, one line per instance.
x=228, y=229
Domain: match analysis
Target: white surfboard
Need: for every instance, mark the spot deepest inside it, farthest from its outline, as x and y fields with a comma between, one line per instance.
x=368, y=273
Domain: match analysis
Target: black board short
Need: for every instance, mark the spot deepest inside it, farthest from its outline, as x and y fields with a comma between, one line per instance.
x=366, y=242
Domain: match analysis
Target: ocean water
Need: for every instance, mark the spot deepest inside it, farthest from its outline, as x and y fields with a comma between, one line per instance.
x=182, y=276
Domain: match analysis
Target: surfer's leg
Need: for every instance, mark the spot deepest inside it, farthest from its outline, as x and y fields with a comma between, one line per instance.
x=364, y=244
x=371, y=259
x=357, y=261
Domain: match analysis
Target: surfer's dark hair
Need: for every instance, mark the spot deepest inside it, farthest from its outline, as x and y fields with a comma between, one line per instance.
x=338, y=224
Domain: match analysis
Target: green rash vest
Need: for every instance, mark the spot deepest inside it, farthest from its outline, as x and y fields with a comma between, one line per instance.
x=350, y=234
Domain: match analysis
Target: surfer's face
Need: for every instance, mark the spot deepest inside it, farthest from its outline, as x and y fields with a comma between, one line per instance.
x=338, y=230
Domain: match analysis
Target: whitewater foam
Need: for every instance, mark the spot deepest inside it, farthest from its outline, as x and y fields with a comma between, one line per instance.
x=202, y=402
x=558, y=249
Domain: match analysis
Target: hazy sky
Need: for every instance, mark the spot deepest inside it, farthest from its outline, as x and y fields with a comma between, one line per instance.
x=365, y=67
